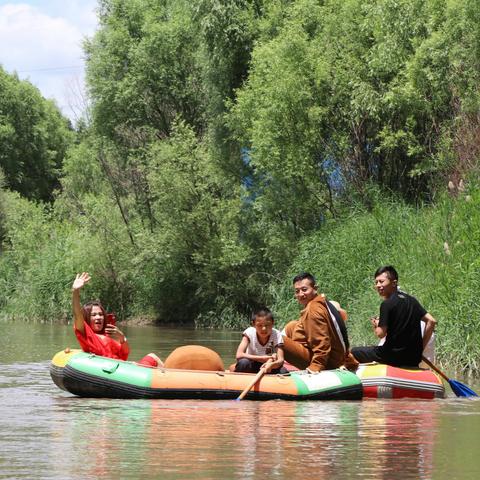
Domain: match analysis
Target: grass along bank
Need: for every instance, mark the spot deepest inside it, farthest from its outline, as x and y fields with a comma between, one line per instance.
x=436, y=252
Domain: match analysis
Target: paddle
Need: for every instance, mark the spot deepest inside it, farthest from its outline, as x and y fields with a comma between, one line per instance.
x=459, y=389
x=257, y=378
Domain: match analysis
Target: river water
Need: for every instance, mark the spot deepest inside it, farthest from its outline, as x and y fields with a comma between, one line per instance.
x=46, y=433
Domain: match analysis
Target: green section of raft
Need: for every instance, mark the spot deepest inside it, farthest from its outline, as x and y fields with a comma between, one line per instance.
x=111, y=369
x=87, y=375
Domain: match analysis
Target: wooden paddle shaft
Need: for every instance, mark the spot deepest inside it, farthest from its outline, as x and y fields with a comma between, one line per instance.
x=434, y=367
x=257, y=378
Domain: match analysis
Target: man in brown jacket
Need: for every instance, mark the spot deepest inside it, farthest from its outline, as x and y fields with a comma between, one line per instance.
x=315, y=341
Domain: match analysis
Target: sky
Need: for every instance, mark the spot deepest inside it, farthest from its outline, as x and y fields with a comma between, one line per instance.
x=41, y=40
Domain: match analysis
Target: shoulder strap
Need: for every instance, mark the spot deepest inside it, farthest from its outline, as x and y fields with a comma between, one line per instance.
x=339, y=325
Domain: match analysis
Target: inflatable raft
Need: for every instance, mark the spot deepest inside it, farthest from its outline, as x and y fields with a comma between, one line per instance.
x=88, y=375
x=385, y=381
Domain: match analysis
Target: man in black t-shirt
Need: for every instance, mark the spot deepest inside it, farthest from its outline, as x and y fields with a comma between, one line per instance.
x=399, y=322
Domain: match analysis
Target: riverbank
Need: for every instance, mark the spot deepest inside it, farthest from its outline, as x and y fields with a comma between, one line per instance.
x=435, y=251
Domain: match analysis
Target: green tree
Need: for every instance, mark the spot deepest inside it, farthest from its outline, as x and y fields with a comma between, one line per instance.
x=198, y=244
x=34, y=137
x=342, y=95
x=142, y=69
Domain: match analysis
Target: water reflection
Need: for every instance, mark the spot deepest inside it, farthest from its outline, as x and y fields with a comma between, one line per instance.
x=227, y=439
x=178, y=439
x=205, y=439
x=50, y=434
x=397, y=437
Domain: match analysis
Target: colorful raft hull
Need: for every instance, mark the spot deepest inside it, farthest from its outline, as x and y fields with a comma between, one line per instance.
x=88, y=375
x=385, y=381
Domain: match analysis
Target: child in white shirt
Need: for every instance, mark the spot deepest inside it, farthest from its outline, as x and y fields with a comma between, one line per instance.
x=261, y=346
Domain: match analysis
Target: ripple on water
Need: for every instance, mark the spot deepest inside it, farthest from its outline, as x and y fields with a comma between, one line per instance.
x=47, y=433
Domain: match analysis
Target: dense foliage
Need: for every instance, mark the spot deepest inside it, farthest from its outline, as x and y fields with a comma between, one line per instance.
x=434, y=252
x=34, y=138
x=235, y=142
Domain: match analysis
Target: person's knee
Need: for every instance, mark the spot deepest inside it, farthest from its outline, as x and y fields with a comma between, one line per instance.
x=289, y=328
x=151, y=360
x=156, y=359
x=296, y=354
x=245, y=365
x=365, y=354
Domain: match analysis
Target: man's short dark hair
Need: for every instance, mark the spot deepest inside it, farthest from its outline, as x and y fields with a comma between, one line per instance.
x=305, y=276
x=262, y=312
x=389, y=270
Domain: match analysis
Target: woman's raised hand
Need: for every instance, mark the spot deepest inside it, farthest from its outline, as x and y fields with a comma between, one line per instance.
x=80, y=280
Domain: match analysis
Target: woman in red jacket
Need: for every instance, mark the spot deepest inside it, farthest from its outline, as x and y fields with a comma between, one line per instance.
x=97, y=336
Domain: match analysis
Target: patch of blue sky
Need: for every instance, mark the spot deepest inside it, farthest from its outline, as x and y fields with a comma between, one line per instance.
x=41, y=40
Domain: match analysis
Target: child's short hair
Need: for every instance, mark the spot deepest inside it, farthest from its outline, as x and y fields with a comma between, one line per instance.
x=262, y=312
